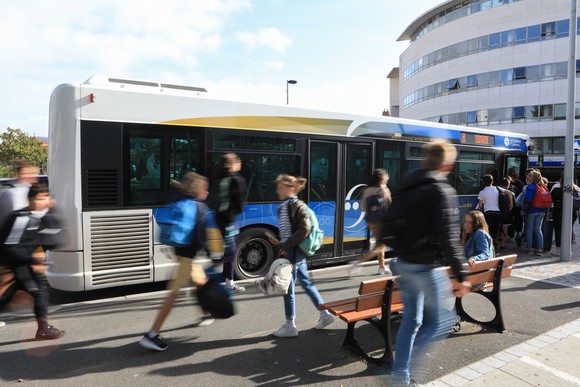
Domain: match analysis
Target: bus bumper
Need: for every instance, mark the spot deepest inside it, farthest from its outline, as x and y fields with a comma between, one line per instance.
x=65, y=271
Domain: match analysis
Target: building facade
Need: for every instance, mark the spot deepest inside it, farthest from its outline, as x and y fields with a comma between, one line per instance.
x=500, y=64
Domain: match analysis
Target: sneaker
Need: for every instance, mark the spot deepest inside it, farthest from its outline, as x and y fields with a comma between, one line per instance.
x=2, y=323
x=384, y=271
x=205, y=321
x=156, y=343
x=325, y=321
x=236, y=288
x=49, y=333
x=285, y=331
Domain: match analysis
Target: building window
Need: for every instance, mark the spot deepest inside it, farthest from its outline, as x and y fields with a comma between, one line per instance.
x=520, y=73
x=547, y=71
x=482, y=117
x=578, y=65
x=521, y=35
x=561, y=70
x=471, y=117
x=518, y=113
x=506, y=76
x=452, y=84
x=534, y=33
x=532, y=73
x=494, y=41
x=532, y=113
x=493, y=116
x=558, y=144
x=472, y=81
x=548, y=30
x=559, y=111
x=507, y=38
x=494, y=77
x=546, y=112
x=577, y=110
x=505, y=115
x=562, y=28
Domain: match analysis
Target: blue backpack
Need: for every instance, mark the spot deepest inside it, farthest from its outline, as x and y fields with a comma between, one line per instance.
x=313, y=241
x=177, y=222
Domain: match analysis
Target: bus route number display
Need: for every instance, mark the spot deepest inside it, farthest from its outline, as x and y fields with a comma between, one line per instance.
x=477, y=139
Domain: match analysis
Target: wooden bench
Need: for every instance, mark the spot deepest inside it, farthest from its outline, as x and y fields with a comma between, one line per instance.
x=379, y=302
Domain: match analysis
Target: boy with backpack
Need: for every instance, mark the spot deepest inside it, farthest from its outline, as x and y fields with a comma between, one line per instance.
x=193, y=187
x=375, y=200
x=295, y=226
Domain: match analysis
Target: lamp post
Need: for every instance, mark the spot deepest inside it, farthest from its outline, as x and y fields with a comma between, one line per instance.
x=289, y=82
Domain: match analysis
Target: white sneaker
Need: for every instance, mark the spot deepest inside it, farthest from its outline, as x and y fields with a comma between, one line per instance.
x=384, y=271
x=204, y=321
x=325, y=321
x=236, y=288
x=2, y=323
x=285, y=331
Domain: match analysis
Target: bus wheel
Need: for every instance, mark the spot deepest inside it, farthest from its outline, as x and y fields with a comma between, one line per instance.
x=255, y=254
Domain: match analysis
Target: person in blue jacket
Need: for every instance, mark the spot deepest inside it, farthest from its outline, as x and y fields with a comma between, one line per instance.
x=476, y=241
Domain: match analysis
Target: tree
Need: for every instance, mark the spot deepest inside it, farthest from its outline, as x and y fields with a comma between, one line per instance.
x=17, y=145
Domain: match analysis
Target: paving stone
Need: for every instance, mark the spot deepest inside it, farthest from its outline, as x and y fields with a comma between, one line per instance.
x=468, y=373
x=481, y=367
x=493, y=362
x=547, y=339
x=454, y=380
x=507, y=357
x=537, y=343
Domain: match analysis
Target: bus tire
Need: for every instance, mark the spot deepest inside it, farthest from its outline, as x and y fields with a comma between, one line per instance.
x=255, y=254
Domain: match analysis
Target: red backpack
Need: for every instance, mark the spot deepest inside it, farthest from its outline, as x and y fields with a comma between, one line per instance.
x=542, y=198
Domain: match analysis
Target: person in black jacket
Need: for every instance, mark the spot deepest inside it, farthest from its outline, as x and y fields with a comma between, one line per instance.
x=195, y=187
x=558, y=198
x=22, y=233
x=231, y=200
x=426, y=292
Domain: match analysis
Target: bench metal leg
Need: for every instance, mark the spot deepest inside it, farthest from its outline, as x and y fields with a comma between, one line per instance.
x=494, y=297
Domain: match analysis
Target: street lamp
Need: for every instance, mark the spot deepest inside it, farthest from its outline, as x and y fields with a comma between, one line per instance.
x=289, y=82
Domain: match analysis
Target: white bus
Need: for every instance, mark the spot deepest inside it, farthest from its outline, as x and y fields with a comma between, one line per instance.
x=115, y=144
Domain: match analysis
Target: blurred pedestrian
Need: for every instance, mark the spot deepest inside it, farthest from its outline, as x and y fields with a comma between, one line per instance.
x=489, y=203
x=193, y=187
x=426, y=292
x=16, y=198
x=20, y=236
x=375, y=200
x=294, y=227
x=557, y=193
x=507, y=220
x=230, y=203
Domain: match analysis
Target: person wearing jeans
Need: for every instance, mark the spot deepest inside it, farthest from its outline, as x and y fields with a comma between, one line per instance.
x=534, y=215
x=294, y=226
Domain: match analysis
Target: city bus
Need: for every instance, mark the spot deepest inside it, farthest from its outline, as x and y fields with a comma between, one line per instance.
x=115, y=145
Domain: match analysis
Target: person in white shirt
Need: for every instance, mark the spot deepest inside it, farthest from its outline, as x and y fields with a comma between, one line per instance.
x=489, y=203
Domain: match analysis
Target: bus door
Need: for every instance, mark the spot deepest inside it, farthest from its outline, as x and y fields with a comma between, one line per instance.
x=337, y=177
x=518, y=161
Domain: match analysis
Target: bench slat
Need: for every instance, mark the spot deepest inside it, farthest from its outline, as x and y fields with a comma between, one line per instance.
x=341, y=309
x=369, y=313
x=334, y=304
x=376, y=300
x=374, y=285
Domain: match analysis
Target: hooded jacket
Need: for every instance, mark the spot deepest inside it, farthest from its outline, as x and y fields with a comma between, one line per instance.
x=435, y=208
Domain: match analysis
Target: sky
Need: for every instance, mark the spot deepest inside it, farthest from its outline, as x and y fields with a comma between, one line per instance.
x=338, y=51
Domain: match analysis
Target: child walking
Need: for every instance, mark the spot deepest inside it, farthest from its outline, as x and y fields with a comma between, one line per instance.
x=294, y=227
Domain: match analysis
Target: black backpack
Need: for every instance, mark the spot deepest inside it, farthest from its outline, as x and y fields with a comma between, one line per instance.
x=375, y=206
x=503, y=201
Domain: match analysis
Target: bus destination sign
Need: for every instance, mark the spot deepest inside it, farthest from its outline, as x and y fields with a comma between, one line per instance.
x=477, y=139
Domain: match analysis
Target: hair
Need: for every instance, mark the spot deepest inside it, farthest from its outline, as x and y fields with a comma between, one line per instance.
x=191, y=183
x=505, y=182
x=378, y=176
x=37, y=189
x=487, y=180
x=513, y=173
x=22, y=164
x=479, y=223
x=298, y=183
x=229, y=159
x=438, y=154
x=536, y=177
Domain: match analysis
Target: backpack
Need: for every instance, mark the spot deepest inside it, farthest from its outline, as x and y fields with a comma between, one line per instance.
x=215, y=299
x=177, y=222
x=504, y=203
x=313, y=241
x=575, y=200
x=542, y=197
x=278, y=278
x=375, y=206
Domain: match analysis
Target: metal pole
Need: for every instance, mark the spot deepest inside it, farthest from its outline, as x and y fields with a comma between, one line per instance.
x=287, y=92
x=569, y=144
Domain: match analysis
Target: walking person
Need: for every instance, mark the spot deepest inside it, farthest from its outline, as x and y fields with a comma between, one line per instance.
x=21, y=234
x=230, y=203
x=294, y=227
x=508, y=219
x=517, y=187
x=194, y=187
x=375, y=200
x=489, y=203
x=557, y=198
x=534, y=213
x=16, y=198
x=426, y=292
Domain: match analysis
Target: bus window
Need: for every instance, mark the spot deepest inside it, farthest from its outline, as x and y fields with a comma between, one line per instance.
x=390, y=159
x=323, y=165
x=260, y=172
x=184, y=156
x=466, y=177
x=144, y=160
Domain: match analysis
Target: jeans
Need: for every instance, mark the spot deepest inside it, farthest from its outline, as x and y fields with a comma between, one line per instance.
x=534, y=229
x=493, y=219
x=429, y=313
x=296, y=256
x=229, y=259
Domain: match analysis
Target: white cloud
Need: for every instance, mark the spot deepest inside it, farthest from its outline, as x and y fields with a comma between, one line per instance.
x=265, y=37
x=275, y=64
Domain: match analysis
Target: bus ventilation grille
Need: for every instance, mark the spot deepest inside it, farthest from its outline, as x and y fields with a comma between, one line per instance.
x=120, y=248
x=102, y=188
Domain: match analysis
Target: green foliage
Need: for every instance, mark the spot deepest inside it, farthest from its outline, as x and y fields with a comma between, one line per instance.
x=17, y=145
x=7, y=171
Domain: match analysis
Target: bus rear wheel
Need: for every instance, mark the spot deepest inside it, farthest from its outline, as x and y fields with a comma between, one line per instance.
x=255, y=254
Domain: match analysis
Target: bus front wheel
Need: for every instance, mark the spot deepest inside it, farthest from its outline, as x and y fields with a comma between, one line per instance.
x=255, y=254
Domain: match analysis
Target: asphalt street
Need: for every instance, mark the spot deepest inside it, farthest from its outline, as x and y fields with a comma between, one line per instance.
x=100, y=347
